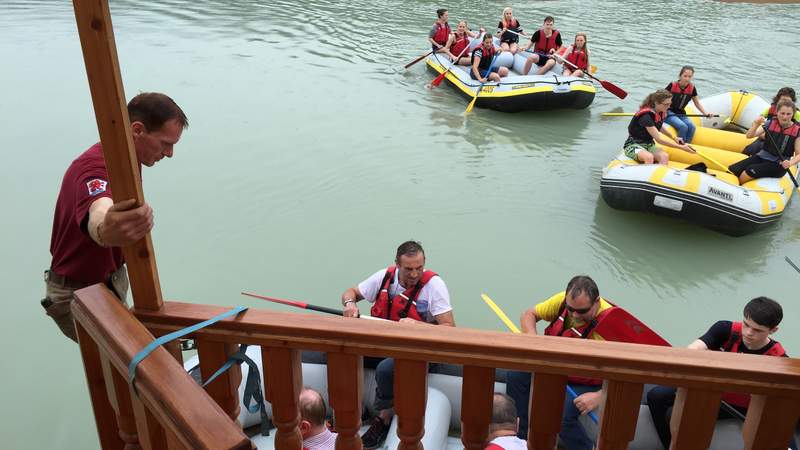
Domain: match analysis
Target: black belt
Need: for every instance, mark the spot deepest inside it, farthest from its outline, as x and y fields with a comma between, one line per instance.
x=52, y=277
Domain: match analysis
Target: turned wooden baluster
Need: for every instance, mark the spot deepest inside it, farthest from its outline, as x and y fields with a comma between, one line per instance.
x=283, y=380
x=151, y=434
x=345, y=388
x=225, y=388
x=770, y=422
x=546, y=409
x=476, y=406
x=104, y=415
x=693, y=418
x=620, y=406
x=410, y=395
x=119, y=392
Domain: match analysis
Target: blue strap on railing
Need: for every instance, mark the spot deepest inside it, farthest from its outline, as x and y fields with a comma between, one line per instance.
x=252, y=387
x=172, y=336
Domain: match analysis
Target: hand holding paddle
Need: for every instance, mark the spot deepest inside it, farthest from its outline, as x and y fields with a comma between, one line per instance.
x=607, y=85
x=760, y=119
x=478, y=92
x=296, y=304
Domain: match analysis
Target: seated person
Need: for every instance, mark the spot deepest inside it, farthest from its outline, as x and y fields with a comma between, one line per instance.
x=578, y=55
x=762, y=316
x=440, y=34
x=644, y=131
x=682, y=91
x=504, y=425
x=508, y=30
x=482, y=59
x=460, y=43
x=781, y=146
x=545, y=42
x=313, y=428
x=784, y=93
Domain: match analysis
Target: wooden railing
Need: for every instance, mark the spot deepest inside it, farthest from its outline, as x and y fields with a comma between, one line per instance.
x=701, y=376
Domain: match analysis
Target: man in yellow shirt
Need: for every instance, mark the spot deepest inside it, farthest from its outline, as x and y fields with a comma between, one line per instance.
x=575, y=312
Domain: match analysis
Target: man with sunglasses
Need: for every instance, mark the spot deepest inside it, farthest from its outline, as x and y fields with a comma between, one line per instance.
x=576, y=312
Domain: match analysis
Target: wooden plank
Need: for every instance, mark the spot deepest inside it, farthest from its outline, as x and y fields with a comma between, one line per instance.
x=283, y=380
x=125, y=417
x=620, y=410
x=345, y=390
x=105, y=83
x=151, y=433
x=546, y=354
x=770, y=422
x=104, y=414
x=476, y=406
x=411, y=393
x=546, y=409
x=225, y=388
x=694, y=416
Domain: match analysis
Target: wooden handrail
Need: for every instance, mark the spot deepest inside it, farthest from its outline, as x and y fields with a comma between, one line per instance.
x=168, y=393
x=542, y=354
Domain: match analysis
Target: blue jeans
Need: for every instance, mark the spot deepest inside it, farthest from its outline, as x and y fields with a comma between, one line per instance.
x=683, y=126
x=573, y=436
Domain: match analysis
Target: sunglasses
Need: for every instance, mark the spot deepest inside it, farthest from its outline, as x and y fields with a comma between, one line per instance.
x=580, y=310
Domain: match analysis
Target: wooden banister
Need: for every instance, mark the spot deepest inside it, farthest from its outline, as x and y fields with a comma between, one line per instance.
x=410, y=378
x=546, y=407
x=283, y=380
x=693, y=417
x=108, y=330
x=476, y=406
x=621, y=402
x=345, y=390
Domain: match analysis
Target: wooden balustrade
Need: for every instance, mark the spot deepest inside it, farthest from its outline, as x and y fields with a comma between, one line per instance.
x=702, y=376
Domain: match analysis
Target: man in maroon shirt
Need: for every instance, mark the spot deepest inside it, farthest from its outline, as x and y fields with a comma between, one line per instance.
x=88, y=227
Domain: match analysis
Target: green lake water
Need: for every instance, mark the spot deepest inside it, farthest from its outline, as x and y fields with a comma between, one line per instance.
x=312, y=154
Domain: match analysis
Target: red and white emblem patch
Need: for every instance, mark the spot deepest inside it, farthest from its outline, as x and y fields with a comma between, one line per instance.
x=96, y=186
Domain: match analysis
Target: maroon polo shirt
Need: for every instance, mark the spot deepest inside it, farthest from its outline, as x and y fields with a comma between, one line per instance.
x=75, y=255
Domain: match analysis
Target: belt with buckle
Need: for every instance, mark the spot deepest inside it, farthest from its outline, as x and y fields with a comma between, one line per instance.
x=52, y=277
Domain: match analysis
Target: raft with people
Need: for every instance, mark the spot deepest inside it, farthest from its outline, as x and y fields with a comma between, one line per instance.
x=699, y=185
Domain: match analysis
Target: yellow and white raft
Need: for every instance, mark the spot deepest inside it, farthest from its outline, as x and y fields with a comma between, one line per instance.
x=713, y=199
x=736, y=109
x=517, y=92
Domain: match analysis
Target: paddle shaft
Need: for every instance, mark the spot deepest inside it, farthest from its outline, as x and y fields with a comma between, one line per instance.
x=296, y=304
x=791, y=263
x=706, y=157
x=574, y=395
x=419, y=59
x=478, y=92
x=780, y=154
x=679, y=115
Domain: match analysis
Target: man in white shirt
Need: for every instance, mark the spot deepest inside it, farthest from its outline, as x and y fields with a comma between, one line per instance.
x=503, y=429
x=315, y=433
x=407, y=293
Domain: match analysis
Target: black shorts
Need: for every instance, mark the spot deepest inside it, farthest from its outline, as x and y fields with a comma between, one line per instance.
x=758, y=167
x=543, y=57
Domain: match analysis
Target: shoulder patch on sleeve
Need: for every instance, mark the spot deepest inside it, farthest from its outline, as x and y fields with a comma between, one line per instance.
x=96, y=186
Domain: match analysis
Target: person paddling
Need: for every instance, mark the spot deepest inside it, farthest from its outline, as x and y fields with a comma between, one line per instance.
x=509, y=42
x=784, y=93
x=682, y=91
x=407, y=293
x=460, y=43
x=577, y=54
x=482, y=58
x=781, y=146
x=440, y=34
x=644, y=131
x=545, y=42
x=762, y=316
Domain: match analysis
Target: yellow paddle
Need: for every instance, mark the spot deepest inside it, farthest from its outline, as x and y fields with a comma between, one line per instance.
x=708, y=158
x=500, y=313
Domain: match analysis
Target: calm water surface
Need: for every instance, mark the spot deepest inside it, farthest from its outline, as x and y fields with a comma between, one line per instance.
x=311, y=155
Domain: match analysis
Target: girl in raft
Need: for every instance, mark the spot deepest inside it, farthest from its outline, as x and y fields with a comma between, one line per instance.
x=682, y=91
x=482, y=58
x=645, y=130
x=509, y=41
x=460, y=42
x=784, y=93
x=781, y=145
x=577, y=54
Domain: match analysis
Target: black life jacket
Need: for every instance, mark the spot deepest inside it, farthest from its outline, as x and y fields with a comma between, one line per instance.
x=783, y=138
x=680, y=97
x=508, y=36
x=544, y=44
x=487, y=54
x=638, y=132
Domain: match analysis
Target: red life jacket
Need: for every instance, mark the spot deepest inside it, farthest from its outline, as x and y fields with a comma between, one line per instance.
x=773, y=112
x=459, y=44
x=657, y=118
x=556, y=328
x=680, y=97
x=487, y=54
x=544, y=44
x=442, y=33
x=403, y=304
x=782, y=137
x=579, y=58
x=732, y=345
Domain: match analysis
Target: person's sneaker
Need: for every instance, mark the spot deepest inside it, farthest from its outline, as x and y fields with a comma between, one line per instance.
x=375, y=435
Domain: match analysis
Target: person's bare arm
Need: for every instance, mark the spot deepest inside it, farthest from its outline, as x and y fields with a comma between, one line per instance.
x=527, y=321
x=446, y=319
x=118, y=224
x=349, y=299
x=698, y=345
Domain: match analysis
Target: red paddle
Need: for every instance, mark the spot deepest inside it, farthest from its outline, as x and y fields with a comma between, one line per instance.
x=296, y=304
x=609, y=86
x=438, y=80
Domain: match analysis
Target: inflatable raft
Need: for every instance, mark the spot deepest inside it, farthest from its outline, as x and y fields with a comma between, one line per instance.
x=517, y=91
x=443, y=410
x=714, y=199
x=737, y=110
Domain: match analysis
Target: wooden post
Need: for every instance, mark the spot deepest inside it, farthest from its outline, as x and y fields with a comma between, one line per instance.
x=546, y=408
x=693, y=418
x=621, y=402
x=225, y=388
x=770, y=422
x=410, y=395
x=117, y=388
x=345, y=390
x=104, y=415
x=151, y=434
x=110, y=109
x=283, y=378
x=476, y=406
